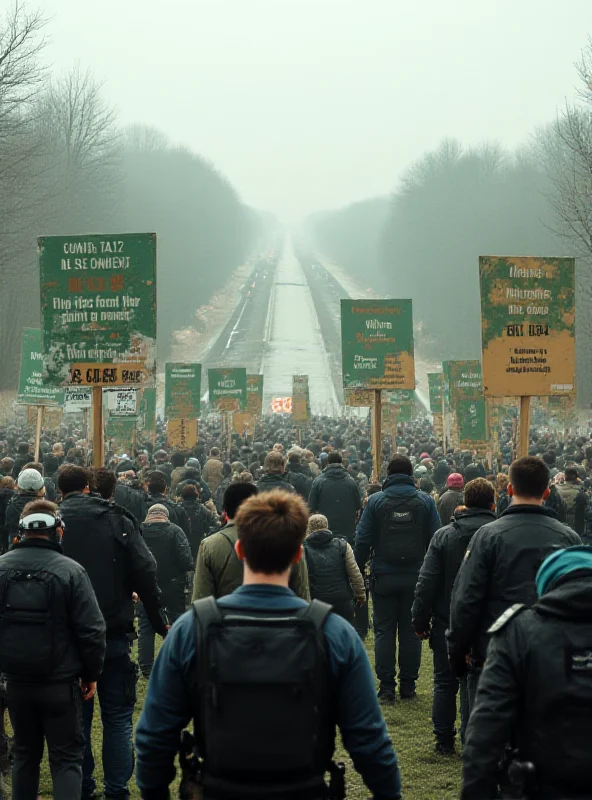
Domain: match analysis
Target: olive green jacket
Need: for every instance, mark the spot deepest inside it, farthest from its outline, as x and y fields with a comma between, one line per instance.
x=218, y=571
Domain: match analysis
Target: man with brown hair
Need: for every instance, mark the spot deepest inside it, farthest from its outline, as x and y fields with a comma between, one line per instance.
x=274, y=474
x=431, y=609
x=276, y=661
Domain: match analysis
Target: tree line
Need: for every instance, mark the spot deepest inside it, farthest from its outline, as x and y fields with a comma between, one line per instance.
x=457, y=203
x=66, y=166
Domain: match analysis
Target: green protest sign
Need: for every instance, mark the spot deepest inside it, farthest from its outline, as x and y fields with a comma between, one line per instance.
x=528, y=325
x=472, y=422
x=300, y=398
x=377, y=344
x=464, y=380
x=182, y=390
x=228, y=388
x=98, y=306
x=148, y=409
x=255, y=395
x=32, y=391
x=119, y=433
x=436, y=388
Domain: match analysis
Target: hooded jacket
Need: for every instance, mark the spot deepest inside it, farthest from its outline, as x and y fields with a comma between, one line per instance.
x=536, y=688
x=274, y=480
x=116, y=559
x=368, y=531
x=498, y=570
x=336, y=495
x=77, y=626
x=212, y=473
x=440, y=567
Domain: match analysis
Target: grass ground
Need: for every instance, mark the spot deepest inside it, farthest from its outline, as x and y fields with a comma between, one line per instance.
x=425, y=775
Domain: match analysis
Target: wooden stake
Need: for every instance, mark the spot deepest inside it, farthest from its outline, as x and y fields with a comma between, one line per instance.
x=444, y=425
x=38, y=431
x=523, y=439
x=98, y=444
x=377, y=436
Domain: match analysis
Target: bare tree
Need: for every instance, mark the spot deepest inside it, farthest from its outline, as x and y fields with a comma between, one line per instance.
x=144, y=138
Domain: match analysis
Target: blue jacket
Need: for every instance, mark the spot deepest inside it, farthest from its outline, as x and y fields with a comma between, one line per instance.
x=368, y=529
x=167, y=710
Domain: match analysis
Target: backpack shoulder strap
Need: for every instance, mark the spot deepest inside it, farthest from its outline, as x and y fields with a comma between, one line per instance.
x=317, y=612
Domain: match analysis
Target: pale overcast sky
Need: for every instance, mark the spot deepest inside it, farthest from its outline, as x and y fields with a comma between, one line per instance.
x=312, y=104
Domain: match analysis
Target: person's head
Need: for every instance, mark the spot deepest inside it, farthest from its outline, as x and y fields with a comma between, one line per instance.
x=40, y=520
x=103, y=482
x=6, y=465
x=34, y=465
x=30, y=481
x=317, y=522
x=235, y=495
x=373, y=488
x=58, y=449
x=157, y=482
x=23, y=448
x=501, y=482
x=193, y=463
x=161, y=456
x=190, y=491
x=50, y=464
x=334, y=458
x=571, y=474
x=575, y=561
x=214, y=452
x=178, y=459
x=293, y=460
x=275, y=463
x=426, y=485
x=400, y=465
x=157, y=513
x=455, y=481
x=7, y=483
x=271, y=528
x=479, y=493
x=72, y=478
x=529, y=481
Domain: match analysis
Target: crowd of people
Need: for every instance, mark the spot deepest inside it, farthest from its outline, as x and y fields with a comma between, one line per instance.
x=285, y=548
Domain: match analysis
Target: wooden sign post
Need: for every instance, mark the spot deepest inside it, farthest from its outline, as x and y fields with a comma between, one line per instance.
x=98, y=442
x=523, y=436
x=38, y=427
x=376, y=436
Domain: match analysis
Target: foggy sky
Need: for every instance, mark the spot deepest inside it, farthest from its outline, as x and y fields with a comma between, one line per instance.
x=312, y=104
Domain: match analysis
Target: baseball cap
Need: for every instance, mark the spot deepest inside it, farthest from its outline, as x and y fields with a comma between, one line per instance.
x=30, y=480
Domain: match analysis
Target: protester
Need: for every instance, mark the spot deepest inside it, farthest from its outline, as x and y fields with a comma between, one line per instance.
x=452, y=497
x=396, y=525
x=336, y=495
x=30, y=486
x=274, y=476
x=268, y=734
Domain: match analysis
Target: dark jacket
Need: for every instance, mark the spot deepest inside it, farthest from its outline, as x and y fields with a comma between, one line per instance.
x=51, y=493
x=575, y=498
x=300, y=478
x=368, y=532
x=441, y=565
x=116, y=558
x=441, y=473
x=14, y=509
x=535, y=689
x=273, y=480
x=360, y=720
x=499, y=570
x=448, y=503
x=337, y=495
x=170, y=548
x=77, y=625
x=327, y=574
x=5, y=497
x=133, y=498
x=503, y=502
x=201, y=522
x=177, y=513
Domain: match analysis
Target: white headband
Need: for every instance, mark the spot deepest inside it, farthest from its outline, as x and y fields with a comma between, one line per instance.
x=33, y=522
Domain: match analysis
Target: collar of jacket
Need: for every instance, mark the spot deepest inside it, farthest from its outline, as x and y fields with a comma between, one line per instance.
x=38, y=542
x=398, y=480
x=525, y=508
x=319, y=538
x=569, y=598
x=475, y=512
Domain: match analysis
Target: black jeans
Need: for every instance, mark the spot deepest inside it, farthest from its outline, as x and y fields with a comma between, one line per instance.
x=446, y=687
x=392, y=617
x=51, y=713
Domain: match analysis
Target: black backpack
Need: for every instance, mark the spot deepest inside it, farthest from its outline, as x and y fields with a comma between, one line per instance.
x=27, y=638
x=264, y=720
x=402, y=523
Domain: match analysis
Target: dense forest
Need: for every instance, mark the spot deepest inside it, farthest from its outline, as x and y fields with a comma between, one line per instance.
x=66, y=166
x=457, y=203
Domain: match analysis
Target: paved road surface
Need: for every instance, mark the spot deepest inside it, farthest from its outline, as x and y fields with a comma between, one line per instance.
x=293, y=341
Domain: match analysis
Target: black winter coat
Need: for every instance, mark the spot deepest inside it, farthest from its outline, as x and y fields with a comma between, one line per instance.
x=536, y=689
x=116, y=558
x=133, y=498
x=301, y=480
x=170, y=548
x=273, y=480
x=14, y=509
x=337, y=495
x=77, y=625
x=327, y=573
x=5, y=497
x=498, y=570
x=201, y=522
x=440, y=567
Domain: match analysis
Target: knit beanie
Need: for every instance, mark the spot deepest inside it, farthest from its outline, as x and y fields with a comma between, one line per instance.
x=560, y=563
x=157, y=513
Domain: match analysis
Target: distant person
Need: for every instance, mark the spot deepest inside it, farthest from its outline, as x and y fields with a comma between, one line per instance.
x=212, y=471
x=274, y=474
x=337, y=495
x=452, y=497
